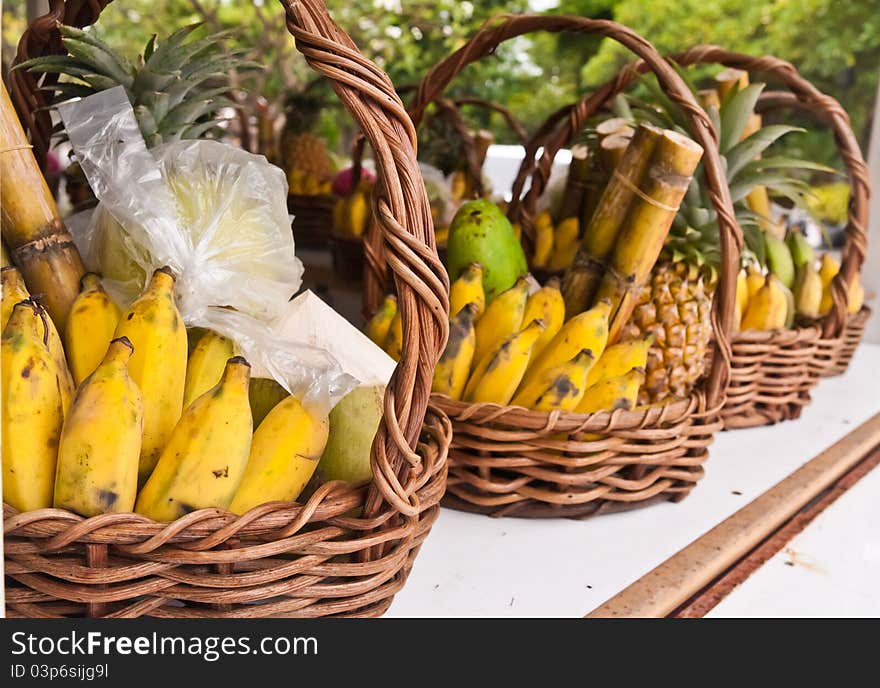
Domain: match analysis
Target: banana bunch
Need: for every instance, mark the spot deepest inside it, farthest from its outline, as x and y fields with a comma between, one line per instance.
x=352, y=213
x=519, y=350
x=796, y=286
x=302, y=183
x=555, y=245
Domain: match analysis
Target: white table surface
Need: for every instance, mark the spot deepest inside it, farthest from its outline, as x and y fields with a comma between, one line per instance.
x=477, y=566
x=830, y=569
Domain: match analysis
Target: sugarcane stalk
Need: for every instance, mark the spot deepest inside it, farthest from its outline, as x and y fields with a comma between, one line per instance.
x=611, y=126
x=709, y=98
x=5, y=260
x=575, y=183
x=729, y=79
x=611, y=150
x=585, y=273
x=644, y=231
x=38, y=242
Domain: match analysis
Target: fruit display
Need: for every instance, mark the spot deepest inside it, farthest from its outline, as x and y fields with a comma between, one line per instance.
x=352, y=212
x=304, y=154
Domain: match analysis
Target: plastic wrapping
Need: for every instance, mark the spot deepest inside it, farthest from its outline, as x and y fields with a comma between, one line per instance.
x=217, y=216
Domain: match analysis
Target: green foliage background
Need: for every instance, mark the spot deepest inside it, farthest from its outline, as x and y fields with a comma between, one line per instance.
x=835, y=43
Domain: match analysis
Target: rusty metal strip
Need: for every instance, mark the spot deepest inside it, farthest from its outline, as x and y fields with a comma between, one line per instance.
x=709, y=597
x=661, y=591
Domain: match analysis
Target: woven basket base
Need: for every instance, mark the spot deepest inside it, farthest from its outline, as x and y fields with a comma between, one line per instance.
x=312, y=219
x=839, y=352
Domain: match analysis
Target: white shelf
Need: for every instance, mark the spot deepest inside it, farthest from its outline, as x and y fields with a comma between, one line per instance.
x=477, y=566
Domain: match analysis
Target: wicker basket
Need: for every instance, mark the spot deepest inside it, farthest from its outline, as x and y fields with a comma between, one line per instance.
x=312, y=219
x=350, y=547
x=772, y=373
x=510, y=461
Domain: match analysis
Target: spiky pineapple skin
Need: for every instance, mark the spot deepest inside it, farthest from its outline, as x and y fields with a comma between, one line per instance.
x=306, y=152
x=676, y=306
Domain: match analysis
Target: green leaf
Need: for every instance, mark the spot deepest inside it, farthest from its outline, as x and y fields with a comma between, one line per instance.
x=735, y=115
x=774, y=183
x=68, y=90
x=780, y=162
x=55, y=64
x=100, y=61
x=754, y=240
x=196, y=131
x=752, y=146
x=150, y=47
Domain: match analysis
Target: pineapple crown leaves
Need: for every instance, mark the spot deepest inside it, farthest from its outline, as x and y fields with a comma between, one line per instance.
x=177, y=86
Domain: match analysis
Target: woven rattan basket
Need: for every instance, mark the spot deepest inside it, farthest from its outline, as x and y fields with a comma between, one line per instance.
x=510, y=461
x=772, y=373
x=350, y=547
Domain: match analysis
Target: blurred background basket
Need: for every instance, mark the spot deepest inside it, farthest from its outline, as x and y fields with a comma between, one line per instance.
x=773, y=372
x=510, y=461
x=349, y=548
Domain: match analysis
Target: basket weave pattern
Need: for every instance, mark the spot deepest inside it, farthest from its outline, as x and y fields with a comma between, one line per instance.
x=349, y=548
x=510, y=461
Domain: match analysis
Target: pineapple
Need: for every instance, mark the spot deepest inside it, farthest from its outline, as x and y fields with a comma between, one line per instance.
x=176, y=87
x=304, y=154
x=675, y=305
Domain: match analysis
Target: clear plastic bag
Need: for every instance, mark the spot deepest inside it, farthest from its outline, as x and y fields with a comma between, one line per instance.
x=217, y=216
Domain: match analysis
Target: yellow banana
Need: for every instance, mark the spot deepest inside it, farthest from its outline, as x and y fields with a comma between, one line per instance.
x=856, y=295
x=378, y=326
x=560, y=388
x=548, y=305
x=206, y=365
x=99, y=451
x=565, y=244
x=499, y=373
x=284, y=454
x=468, y=288
x=543, y=239
x=588, y=330
x=620, y=392
x=202, y=464
x=808, y=291
x=618, y=359
x=451, y=373
x=742, y=297
x=754, y=281
x=31, y=413
x=15, y=291
x=394, y=339
x=502, y=319
x=357, y=214
x=90, y=326
x=517, y=231
x=828, y=269
x=153, y=325
x=768, y=309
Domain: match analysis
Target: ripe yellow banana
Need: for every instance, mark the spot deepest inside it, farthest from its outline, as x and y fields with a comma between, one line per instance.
x=558, y=389
x=543, y=239
x=15, y=291
x=619, y=359
x=206, y=365
x=828, y=269
x=754, y=281
x=468, y=288
x=768, y=309
x=808, y=291
x=620, y=392
x=101, y=440
x=565, y=244
x=499, y=373
x=451, y=373
x=31, y=413
x=284, y=454
x=90, y=326
x=394, y=339
x=153, y=325
x=548, y=305
x=502, y=319
x=378, y=326
x=588, y=330
x=205, y=458
x=856, y=295
x=742, y=297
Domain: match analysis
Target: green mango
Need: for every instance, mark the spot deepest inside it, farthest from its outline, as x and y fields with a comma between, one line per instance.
x=779, y=259
x=801, y=251
x=480, y=233
x=353, y=425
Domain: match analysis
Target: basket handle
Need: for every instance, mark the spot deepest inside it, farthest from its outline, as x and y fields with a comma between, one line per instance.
x=494, y=32
x=401, y=209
